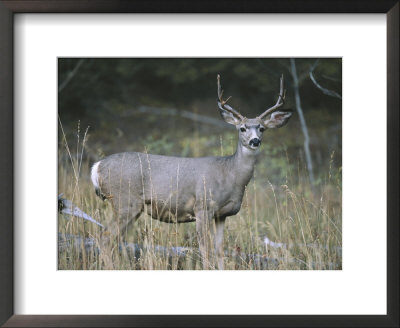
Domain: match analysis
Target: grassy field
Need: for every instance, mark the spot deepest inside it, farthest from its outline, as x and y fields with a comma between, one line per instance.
x=279, y=203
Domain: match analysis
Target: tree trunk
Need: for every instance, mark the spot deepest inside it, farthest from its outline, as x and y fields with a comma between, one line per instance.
x=302, y=121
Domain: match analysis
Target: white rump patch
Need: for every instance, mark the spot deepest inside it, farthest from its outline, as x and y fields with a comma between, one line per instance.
x=95, y=175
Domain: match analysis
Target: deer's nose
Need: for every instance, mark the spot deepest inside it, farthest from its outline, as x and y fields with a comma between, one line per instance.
x=255, y=142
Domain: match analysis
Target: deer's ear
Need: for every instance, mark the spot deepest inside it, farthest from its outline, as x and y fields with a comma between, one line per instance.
x=277, y=120
x=228, y=117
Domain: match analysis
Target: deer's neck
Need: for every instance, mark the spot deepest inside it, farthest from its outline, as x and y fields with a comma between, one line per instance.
x=244, y=161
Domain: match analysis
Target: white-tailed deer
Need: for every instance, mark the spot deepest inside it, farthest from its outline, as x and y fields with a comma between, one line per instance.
x=177, y=189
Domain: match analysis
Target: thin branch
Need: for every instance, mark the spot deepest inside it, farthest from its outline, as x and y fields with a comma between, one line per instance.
x=325, y=91
x=70, y=75
x=175, y=112
x=330, y=78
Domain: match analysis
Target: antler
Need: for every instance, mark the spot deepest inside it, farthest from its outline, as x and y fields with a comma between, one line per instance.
x=223, y=103
x=279, y=103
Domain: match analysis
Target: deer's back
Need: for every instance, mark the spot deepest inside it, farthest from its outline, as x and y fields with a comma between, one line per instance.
x=170, y=184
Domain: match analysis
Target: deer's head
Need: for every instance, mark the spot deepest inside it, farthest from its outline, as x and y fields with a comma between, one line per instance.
x=251, y=129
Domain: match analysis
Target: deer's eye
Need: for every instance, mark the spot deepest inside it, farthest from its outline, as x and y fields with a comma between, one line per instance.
x=262, y=129
x=243, y=129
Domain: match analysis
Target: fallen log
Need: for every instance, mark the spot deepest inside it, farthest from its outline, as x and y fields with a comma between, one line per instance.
x=68, y=241
x=66, y=207
x=135, y=251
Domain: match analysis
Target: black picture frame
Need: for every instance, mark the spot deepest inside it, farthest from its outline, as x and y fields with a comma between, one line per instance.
x=11, y=7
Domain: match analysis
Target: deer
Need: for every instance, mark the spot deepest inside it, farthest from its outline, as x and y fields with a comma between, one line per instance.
x=205, y=190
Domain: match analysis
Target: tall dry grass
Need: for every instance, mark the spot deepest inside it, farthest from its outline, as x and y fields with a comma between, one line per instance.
x=303, y=220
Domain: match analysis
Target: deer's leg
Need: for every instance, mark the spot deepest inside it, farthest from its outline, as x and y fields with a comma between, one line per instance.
x=219, y=241
x=126, y=212
x=115, y=234
x=203, y=230
x=127, y=220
